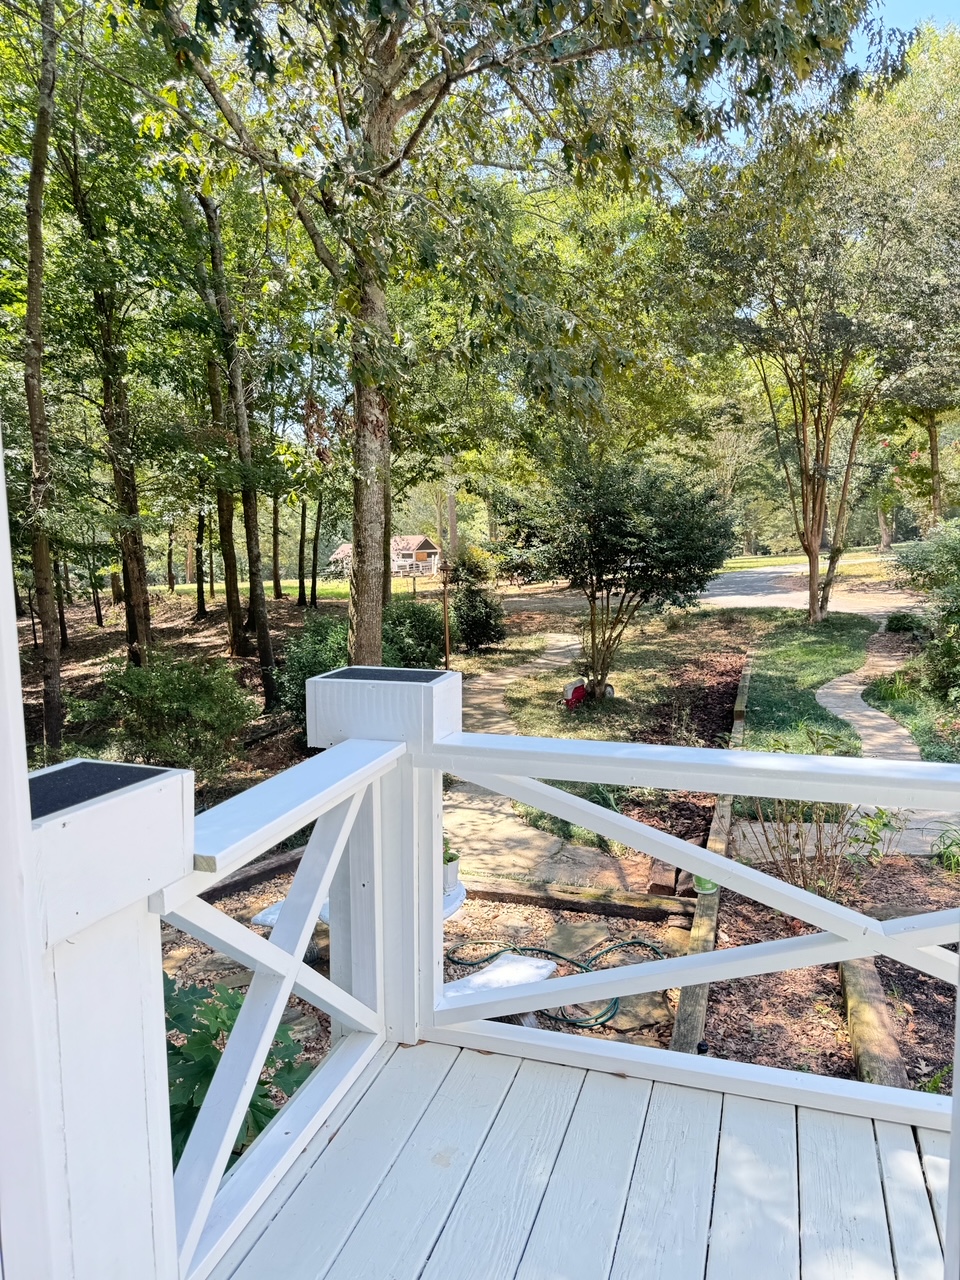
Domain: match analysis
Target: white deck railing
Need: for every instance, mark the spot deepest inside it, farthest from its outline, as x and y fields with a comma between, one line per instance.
x=380, y=802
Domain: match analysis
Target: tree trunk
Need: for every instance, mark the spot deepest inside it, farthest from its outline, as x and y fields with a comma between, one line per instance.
x=275, y=548
x=814, y=612
x=188, y=563
x=936, y=480
x=302, y=557
x=18, y=606
x=315, y=555
x=116, y=420
x=171, y=578
x=41, y=486
x=33, y=618
x=452, y=531
x=61, y=616
x=67, y=589
x=239, y=645
x=886, y=530
x=387, y=541
x=233, y=355
x=116, y=587
x=95, y=593
x=198, y=556
x=213, y=575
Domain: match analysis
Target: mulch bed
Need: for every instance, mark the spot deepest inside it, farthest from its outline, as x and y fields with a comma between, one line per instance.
x=797, y=1019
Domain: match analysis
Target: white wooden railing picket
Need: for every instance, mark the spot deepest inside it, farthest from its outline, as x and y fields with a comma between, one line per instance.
x=340, y=792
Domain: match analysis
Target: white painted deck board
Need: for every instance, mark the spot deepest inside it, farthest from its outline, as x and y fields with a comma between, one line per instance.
x=843, y=1222
x=935, y=1150
x=667, y=1218
x=317, y=1219
x=396, y=1233
x=456, y=1165
x=575, y=1233
x=487, y=1231
x=913, y=1231
x=756, y=1211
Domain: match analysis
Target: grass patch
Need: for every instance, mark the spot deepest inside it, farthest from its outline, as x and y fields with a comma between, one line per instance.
x=791, y=662
x=934, y=725
x=327, y=588
x=647, y=670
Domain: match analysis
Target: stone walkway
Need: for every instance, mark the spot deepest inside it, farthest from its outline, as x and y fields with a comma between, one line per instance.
x=484, y=710
x=882, y=737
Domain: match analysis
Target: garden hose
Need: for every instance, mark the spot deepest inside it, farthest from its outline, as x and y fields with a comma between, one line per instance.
x=609, y=1010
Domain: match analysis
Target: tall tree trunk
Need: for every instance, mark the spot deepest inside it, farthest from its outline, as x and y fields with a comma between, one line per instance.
x=387, y=541
x=936, y=479
x=188, y=563
x=237, y=637
x=886, y=530
x=814, y=612
x=33, y=619
x=95, y=593
x=116, y=420
x=239, y=644
x=371, y=465
x=61, y=616
x=171, y=577
x=213, y=574
x=199, y=553
x=116, y=587
x=18, y=606
x=233, y=355
x=275, y=548
x=302, y=557
x=315, y=553
x=67, y=590
x=452, y=531
x=41, y=485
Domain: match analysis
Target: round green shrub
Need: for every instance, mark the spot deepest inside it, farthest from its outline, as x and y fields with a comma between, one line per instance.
x=182, y=713
x=413, y=635
x=479, y=618
x=320, y=646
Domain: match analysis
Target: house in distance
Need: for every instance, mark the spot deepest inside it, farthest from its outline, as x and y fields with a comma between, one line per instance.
x=410, y=554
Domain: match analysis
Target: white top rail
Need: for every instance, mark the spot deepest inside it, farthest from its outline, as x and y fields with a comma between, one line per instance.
x=230, y=834
x=844, y=779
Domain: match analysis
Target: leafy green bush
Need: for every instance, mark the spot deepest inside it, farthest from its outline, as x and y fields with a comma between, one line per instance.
x=933, y=566
x=479, y=618
x=472, y=565
x=412, y=637
x=903, y=623
x=320, y=646
x=198, y=1023
x=183, y=713
x=413, y=634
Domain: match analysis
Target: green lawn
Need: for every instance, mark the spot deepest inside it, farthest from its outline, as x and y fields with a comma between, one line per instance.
x=791, y=662
x=931, y=722
x=853, y=556
x=327, y=588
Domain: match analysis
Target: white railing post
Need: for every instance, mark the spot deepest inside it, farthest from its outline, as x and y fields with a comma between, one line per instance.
x=104, y=837
x=417, y=708
x=951, y=1251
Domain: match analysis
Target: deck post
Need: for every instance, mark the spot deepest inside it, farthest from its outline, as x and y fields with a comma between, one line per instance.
x=33, y=1235
x=951, y=1250
x=418, y=708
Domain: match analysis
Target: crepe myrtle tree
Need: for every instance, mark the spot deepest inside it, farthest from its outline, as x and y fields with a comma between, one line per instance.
x=629, y=537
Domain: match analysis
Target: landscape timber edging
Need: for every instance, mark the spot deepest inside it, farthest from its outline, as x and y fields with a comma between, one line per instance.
x=689, y=1024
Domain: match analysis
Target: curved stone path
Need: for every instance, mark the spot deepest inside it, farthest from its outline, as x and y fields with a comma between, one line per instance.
x=882, y=737
x=484, y=710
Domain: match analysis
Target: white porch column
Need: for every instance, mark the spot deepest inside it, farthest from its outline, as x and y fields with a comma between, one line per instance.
x=86, y=1183
x=418, y=708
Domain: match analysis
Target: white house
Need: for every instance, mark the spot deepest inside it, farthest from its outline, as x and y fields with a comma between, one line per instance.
x=410, y=553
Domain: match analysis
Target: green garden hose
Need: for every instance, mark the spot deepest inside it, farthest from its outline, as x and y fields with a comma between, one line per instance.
x=609, y=1010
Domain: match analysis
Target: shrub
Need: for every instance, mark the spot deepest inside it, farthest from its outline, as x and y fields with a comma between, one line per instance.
x=198, y=1024
x=183, y=713
x=472, y=566
x=903, y=623
x=320, y=646
x=413, y=635
x=479, y=618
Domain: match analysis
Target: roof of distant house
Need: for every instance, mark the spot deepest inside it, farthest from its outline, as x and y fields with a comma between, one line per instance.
x=402, y=542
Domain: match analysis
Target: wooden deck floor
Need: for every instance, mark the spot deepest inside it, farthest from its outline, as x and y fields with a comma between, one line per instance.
x=455, y=1165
